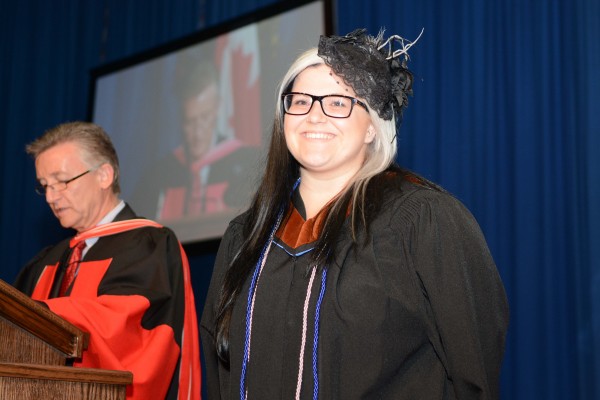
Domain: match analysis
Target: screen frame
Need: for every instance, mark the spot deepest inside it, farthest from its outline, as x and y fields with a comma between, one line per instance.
x=201, y=36
x=194, y=39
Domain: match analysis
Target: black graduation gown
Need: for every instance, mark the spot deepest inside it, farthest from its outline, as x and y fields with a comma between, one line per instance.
x=416, y=312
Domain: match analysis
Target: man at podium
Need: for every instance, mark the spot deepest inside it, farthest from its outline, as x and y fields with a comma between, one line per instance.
x=123, y=279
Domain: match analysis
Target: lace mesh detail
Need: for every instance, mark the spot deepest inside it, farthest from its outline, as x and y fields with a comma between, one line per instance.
x=370, y=66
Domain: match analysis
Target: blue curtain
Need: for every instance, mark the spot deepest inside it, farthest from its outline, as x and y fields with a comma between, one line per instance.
x=506, y=115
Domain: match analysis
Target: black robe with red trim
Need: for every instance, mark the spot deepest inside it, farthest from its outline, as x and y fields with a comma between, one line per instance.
x=132, y=293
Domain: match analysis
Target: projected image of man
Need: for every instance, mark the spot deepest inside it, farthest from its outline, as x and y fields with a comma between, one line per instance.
x=196, y=177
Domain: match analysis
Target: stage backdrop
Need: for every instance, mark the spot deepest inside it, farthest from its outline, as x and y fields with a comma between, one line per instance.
x=506, y=115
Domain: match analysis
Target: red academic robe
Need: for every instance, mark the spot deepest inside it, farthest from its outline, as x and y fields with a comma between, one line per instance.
x=133, y=294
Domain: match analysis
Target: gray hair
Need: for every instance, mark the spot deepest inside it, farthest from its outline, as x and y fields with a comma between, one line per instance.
x=96, y=146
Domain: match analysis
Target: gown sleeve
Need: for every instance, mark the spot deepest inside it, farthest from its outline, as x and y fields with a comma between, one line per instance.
x=465, y=293
x=216, y=376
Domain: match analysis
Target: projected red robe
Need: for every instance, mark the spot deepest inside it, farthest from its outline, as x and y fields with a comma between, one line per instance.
x=132, y=293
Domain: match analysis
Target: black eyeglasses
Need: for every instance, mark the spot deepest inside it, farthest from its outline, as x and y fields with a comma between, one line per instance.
x=333, y=105
x=59, y=186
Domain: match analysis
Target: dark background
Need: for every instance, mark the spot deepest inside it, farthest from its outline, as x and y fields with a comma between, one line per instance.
x=505, y=115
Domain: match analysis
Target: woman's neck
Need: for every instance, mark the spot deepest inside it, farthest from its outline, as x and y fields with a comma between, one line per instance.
x=316, y=192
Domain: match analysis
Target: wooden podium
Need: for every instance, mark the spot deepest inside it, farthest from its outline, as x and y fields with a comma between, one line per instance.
x=35, y=345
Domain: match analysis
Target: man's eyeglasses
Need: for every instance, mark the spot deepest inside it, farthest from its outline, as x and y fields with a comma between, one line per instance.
x=333, y=105
x=59, y=186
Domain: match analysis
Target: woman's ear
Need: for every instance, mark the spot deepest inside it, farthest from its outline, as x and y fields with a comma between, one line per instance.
x=370, y=134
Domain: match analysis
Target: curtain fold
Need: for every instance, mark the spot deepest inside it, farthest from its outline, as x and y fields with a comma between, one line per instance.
x=505, y=115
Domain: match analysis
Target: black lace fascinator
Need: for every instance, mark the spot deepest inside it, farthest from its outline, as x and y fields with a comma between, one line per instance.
x=372, y=67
